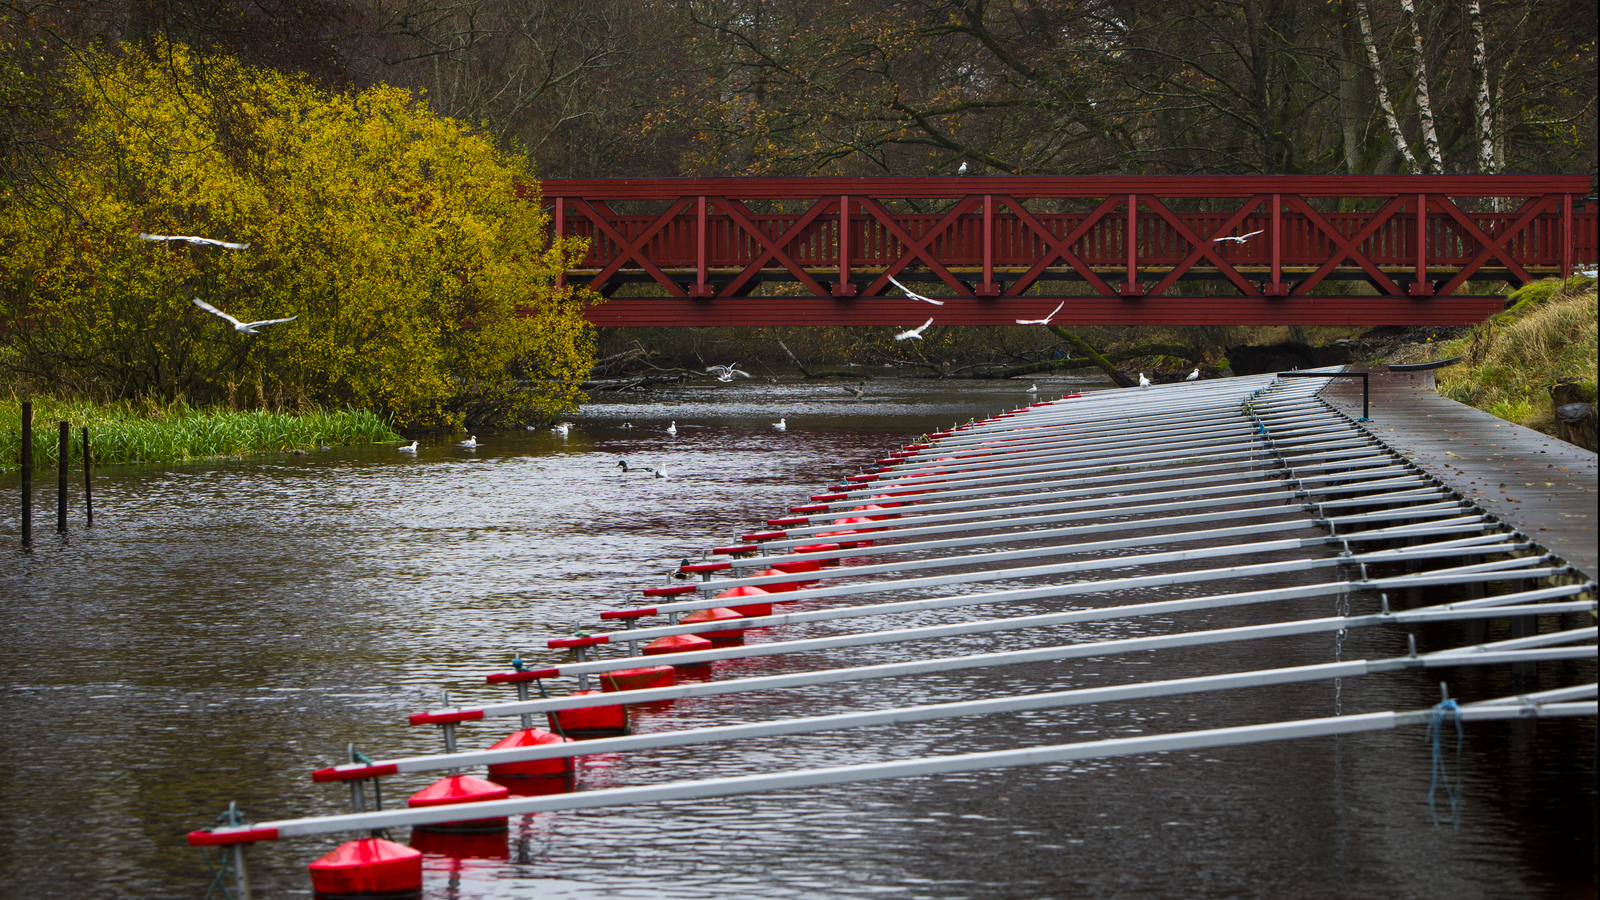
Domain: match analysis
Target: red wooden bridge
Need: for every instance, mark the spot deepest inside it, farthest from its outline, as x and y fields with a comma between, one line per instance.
x=1326, y=250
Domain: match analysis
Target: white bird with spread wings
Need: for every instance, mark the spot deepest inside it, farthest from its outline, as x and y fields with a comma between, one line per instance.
x=913, y=294
x=1046, y=319
x=1241, y=238
x=241, y=327
x=914, y=332
x=726, y=373
x=193, y=240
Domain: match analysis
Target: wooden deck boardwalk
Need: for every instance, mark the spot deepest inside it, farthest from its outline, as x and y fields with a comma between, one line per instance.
x=1543, y=487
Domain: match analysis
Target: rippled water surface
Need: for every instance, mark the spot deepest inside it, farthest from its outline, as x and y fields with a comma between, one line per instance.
x=226, y=627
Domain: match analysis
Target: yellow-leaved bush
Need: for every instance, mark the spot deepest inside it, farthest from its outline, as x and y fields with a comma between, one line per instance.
x=423, y=286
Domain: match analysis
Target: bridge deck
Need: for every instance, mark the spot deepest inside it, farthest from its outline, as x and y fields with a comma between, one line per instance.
x=1545, y=488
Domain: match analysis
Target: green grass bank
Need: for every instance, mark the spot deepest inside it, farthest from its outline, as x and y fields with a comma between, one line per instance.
x=1512, y=361
x=123, y=433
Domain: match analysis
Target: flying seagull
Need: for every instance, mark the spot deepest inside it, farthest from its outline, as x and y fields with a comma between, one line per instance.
x=726, y=373
x=913, y=294
x=1144, y=383
x=1195, y=375
x=859, y=390
x=193, y=240
x=241, y=327
x=1046, y=319
x=914, y=332
x=1241, y=238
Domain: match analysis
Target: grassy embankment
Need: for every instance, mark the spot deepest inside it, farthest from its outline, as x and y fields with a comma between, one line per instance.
x=1512, y=359
x=129, y=433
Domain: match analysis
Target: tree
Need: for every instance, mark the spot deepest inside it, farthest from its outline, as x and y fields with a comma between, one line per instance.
x=422, y=285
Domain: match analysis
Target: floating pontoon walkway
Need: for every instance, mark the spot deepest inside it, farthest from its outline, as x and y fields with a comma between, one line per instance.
x=1150, y=507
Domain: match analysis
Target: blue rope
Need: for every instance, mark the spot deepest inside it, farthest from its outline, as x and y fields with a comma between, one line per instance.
x=1435, y=734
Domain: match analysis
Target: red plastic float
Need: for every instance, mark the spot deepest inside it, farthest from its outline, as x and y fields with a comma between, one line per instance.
x=779, y=587
x=487, y=845
x=367, y=869
x=724, y=637
x=676, y=643
x=460, y=789
x=530, y=737
x=592, y=721
x=851, y=544
x=637, y=679
x=752, y=610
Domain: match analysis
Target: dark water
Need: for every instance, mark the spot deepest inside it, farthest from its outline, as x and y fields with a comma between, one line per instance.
x=228, y=627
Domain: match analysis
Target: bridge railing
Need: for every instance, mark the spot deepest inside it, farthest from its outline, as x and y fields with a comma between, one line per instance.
x=1265, y=241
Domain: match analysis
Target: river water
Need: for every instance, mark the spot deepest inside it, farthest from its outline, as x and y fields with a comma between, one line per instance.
x=226, y=627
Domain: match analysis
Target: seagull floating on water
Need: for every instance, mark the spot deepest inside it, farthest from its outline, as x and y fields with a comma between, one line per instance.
x=241, y=327
x=914, y=332
x=560, y=428
x=193, y=240
x=1046, y=319
x=1144, y=383
x=1033, y=389
x=781, y=425
x=408, y=448
x=1241, y=238
x=913, y=294
x=672, y=428
x=471, y=443
x=726, y=373
x=1195, y=375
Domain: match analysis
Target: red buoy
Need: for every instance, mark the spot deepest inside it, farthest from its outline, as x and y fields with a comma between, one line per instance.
x=676, y=643
x=725, y=637
x=850, y=520
x=480, y=845
x=808, y=565
x=752, y=610
x=460, y=789
x=637, y=679
x=367, y=869
x=530, y=737
x=779, y=587
x=873, y=507
x=590, y=721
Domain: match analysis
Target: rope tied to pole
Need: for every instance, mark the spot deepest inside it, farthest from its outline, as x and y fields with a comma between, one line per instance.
x=1435, y=735
x=219, y=869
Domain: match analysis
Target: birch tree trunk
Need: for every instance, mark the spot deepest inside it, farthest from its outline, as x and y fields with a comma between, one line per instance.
x=1430, y=137
x=1485, y=109
x=1389, y=118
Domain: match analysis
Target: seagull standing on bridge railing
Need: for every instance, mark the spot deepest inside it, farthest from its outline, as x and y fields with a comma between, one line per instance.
x=1046, y=319
x=1195, y=375
x=1240, y=239
x=913, y=294
x=1144, y=383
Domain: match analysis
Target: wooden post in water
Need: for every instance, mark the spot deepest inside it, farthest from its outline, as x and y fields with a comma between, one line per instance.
x=27, y=475
x=88, y=499
x=61, y=477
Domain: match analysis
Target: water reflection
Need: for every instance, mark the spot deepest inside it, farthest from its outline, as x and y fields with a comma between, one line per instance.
x=228, y=627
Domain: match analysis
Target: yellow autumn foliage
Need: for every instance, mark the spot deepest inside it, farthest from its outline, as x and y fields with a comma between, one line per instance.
x=422, y=285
